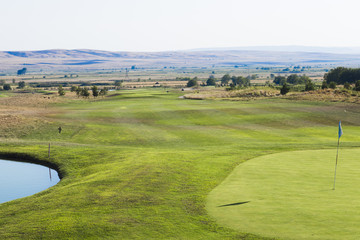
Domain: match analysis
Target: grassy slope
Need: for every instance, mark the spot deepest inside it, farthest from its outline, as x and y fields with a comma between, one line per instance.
x=141, y=164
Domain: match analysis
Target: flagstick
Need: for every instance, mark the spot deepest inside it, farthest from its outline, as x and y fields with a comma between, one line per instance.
x=337, y=154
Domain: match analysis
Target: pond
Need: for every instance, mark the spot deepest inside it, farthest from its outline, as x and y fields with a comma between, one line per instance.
x=19, y=179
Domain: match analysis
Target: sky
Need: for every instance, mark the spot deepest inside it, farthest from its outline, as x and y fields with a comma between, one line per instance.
x=166, y=25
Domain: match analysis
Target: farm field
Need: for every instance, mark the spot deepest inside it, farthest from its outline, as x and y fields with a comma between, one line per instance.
x=140, y=164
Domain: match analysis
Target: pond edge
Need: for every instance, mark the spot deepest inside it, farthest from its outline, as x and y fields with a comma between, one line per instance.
x=26, y=158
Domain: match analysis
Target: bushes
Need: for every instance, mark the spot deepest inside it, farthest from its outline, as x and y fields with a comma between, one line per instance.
x=192, y=82
x=332, y=85
x=285, y=89
x=292, y=79
x=357, y=85
x=324, y=85
x=61, y=90
x=6, y=87
x=211, y=81
x=309, y=86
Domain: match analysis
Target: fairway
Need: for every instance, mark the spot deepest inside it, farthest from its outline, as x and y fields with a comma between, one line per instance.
x=289, y=195
x=140, y=164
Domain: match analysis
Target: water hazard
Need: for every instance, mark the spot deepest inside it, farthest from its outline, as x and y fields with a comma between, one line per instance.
x=18, y=179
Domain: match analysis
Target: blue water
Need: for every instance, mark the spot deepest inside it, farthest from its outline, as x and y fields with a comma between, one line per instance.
x=18, y=179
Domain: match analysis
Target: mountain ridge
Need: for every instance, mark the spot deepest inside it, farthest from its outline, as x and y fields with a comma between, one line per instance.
x=83, y=59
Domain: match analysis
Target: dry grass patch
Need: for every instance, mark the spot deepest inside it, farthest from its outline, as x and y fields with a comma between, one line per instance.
x=328, y=95
x=242, y=94
x=23, y=112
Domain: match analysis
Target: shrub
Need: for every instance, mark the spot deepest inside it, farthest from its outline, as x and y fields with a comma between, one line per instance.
x=61, y=90
x=285, y=89
x=278, y=80
x=21, y=84
x=324, y=85
x=192, y=82
x=85, y=92
x=357, y=85
x=6, y=87
x=225, y=79
x=309, y=86
x=73, y=88
x=95, y=91
x=332, y=85
x=211, y=81
x=347, y=85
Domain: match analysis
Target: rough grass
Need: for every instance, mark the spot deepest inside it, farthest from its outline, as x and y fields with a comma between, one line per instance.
x=139, y=164
x=324, y=95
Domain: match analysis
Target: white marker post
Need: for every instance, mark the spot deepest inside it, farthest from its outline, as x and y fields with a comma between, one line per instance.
x=49, y=159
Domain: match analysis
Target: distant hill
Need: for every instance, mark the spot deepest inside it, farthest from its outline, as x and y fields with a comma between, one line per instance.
x=294, y=48
x=86, y=59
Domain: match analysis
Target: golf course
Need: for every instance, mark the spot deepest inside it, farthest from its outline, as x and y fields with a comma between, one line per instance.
x=148, y=164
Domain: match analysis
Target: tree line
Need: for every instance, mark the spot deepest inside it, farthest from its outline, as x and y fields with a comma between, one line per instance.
x=291, y=79
x=84, y=92
x=7, y=86
x=235, y=81
x=342, y=75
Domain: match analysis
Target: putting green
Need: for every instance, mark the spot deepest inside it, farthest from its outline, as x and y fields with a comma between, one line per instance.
x=289, y=195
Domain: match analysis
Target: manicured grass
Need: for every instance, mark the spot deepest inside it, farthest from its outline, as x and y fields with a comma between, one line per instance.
x=289, y=195
x=140, y=165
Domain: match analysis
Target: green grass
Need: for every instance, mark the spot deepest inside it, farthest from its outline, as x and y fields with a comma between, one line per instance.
x=290, y=196
x=140, y=165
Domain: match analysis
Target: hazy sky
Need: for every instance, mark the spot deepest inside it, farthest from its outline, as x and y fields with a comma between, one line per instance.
x=158, y=25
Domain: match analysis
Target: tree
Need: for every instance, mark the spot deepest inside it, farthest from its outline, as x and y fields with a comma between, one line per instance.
x=21, y=71
x=95, y=91
x=309, y=86
x=103, y=92
x=192, y=82
x=225, y=79
x=78, y=91
x=332, y=85
x=2, y=82
x=245, y=82
x=285, y=89
x=252, y=77
x=73, y=88
x=240, y=81
x=21, y=84
x=118, y=84
x=293, y=79
x=6, y=87
x=340, y=75
x=304, y=79
x=211, y=81
x=279, y=80
x=85, y=92
x=324, y=85
x=61, y=90
x=347, y=85
x=357, y=85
